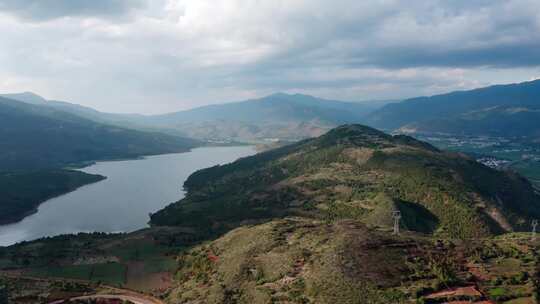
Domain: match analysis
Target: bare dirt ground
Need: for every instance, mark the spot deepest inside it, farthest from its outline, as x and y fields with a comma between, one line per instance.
x=135, y=299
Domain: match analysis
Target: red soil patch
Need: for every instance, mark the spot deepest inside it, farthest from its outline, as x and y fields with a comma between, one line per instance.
x=139, y=279
x=478, y=272
x=469, y=291
x=468, y=302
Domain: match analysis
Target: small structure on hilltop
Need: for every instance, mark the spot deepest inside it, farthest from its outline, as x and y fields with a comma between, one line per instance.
x=534, y=225
x=396, y=215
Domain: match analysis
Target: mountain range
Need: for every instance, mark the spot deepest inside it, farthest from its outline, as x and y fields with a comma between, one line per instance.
x=284, y=116
x=501, y=110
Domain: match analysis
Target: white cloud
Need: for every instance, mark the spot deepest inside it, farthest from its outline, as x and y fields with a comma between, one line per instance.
x=163, y=55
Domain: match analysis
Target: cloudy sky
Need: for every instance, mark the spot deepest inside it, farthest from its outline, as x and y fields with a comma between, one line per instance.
x=154, y=56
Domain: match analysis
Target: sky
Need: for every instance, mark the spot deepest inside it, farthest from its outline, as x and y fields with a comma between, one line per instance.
x=156, y=56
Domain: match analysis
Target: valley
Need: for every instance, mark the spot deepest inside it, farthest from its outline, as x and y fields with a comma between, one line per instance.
x=504, y=153
x=311, y=223
x=269, y=152
x=307, y=219
x=119, y=203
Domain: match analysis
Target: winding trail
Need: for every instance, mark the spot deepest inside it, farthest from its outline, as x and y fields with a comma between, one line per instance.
x=135, y=299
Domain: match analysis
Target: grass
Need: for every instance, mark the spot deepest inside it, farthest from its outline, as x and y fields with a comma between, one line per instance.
x=109, y=273
x=137, y=250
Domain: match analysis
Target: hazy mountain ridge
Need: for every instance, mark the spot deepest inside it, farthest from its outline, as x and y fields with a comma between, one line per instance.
x=502, y=110
x=283, y=116
x=280, y=106
x=36, y=136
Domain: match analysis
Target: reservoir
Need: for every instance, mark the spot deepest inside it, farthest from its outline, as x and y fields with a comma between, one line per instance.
x=122, y=202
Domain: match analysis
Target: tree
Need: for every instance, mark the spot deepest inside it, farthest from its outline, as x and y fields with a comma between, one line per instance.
x=3, y=294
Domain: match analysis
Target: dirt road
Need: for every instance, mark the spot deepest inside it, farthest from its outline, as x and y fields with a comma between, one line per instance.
x=131, y=298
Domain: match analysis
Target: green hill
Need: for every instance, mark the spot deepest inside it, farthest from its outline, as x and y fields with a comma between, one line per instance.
x=343, y=175
x=37, y=136
x=296, y=260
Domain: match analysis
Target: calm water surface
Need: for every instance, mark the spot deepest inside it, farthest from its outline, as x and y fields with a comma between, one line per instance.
x=122, y=202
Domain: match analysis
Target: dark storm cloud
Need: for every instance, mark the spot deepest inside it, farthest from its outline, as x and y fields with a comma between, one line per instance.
x=39, y=10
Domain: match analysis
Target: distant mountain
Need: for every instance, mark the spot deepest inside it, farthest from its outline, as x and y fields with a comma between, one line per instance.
x=39, y=136
x=355, y=172
x=278, y=116
x=283, y=116
x=506, y=110
x=276, y=107
x=27, y=97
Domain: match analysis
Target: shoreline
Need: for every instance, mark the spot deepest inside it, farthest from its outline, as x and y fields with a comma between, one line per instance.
x=81, y=169
x=19, y=218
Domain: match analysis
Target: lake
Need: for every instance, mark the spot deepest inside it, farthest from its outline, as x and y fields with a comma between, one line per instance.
x=122, y=202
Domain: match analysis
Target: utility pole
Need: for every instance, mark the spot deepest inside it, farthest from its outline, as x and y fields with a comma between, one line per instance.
x=396, y=215
x=534, y=225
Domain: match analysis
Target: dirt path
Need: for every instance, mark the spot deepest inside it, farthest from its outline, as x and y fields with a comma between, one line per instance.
x=116, y=293
x=135, y=299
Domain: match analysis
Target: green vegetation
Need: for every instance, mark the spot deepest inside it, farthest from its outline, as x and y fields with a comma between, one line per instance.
x=35, y=136
x=22, y=192
x=36, y=141
x=310, y=223
x=137, y=260
x=292, y=261
x=109, y=273
x=298, y=260
x=343, y=174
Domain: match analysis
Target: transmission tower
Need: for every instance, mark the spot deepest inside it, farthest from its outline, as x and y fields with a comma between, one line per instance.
x=534, y=225
x=396, y=215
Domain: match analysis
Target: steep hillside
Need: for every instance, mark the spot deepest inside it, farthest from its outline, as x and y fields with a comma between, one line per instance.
x=293, y=261
x=35, y=136
x=304, y=261
x=360, y=173
x=513, y=121
x=489, y=110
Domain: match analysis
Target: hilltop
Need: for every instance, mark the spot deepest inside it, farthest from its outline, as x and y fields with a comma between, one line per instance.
x=356, y=172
